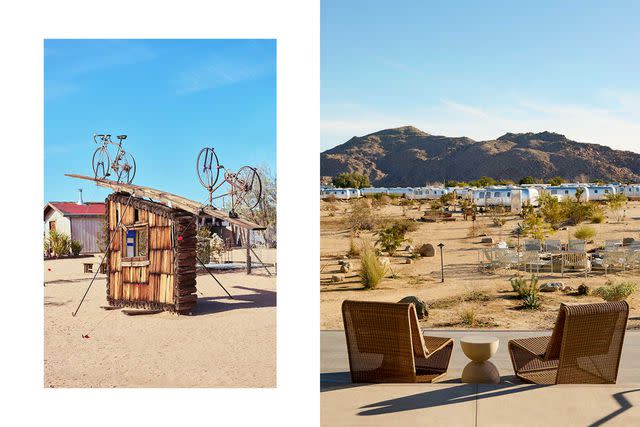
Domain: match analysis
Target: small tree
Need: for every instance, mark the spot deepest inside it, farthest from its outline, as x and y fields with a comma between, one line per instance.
x=390, y=238
x=527, y=180
x=534, y=226
x=60, y=243
x=351, y=180
x=615, y=203
x=551, y=210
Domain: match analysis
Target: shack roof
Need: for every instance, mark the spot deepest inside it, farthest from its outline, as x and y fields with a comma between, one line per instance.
x=74, y=209
x=171, y=200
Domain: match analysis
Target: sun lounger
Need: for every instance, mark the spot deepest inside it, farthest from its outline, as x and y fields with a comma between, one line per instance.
x=584, y=348
x=385, y=344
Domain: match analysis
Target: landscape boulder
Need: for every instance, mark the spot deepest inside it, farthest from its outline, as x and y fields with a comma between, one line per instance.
x=345, y=267
x=408, y=261
x=337, y=278
x=409, y=248
x=628, y=241
x=488, y=240
x=427, y=250
x=584, y=290
x=421, y=307
x=552, y=287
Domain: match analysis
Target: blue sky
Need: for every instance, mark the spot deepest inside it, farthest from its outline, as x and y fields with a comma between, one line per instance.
x=482, y=68
x=171, y=97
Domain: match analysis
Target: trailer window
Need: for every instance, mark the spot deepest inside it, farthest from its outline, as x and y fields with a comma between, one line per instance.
x=554, y=192
x=496, y=194
x=509, y=194
x=135, y=243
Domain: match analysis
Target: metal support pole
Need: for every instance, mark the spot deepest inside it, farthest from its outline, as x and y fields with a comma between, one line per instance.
x=441, y=245
x=214, y=277
x=248, y=244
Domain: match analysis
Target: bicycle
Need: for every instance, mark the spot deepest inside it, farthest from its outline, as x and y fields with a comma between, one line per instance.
x=245, y=186
x=123, y=165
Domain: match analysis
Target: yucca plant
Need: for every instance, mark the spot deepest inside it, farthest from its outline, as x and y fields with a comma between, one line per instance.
x=527, y=292
x=76, y=247
x=372, y=270
x=60, y=243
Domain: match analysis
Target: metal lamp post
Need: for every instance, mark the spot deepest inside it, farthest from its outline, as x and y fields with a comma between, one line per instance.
x=441, y=245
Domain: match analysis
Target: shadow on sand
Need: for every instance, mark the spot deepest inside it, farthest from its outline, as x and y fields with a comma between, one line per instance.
x=255, y=298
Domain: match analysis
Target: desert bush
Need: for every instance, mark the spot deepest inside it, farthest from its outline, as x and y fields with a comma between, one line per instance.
x=47, y=247
x=351, y=180
x=331, y=198
x=390, y=238
x=203, y=246
x=616, y=203
x=550, y=210
x=536, y=227
x=528, y=292
x=76, y=247
x=468, y=317
x=60, y=243
x=584, y=289
x=576, y=212
x=597, y=216
x=372, y=270
x=354, y=249
x=361, y=216
x=477, y=229
x=584, y=232
x=615, y=291
x=216, y=247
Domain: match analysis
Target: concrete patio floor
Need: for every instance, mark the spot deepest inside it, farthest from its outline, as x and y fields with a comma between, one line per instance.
x=450, y=402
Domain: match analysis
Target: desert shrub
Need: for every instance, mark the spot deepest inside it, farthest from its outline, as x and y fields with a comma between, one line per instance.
x=390, y=238
x=361, y=216
x=203, y=246
x=528, y=292
x=354, y=249
x=351, y=180
x=615, y=203
x=551, y=210
x=477, y=229
x=597, y=216
x=615, y=291
x=577, y=212
x=216, y=247
x=372, y=270
x=60, y=243
x=331, y=198
x=584, y=232
x=47, y=247
x=76, y=247
x=468, y=317
x=584, y=289
x=536, y=227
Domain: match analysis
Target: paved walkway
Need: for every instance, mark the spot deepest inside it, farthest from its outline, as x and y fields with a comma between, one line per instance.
x=451, y=402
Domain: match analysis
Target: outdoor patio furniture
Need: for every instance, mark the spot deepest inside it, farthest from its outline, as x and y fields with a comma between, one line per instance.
x=532, y=245
x=612, y=245
x=575, y=261
x=612, y=259
x=480, y=349
x=385, y=344
x=552, y=246
x=488, y=258
x=584, y=348
x=506, y=258
x=534, y=259
x=576, y=245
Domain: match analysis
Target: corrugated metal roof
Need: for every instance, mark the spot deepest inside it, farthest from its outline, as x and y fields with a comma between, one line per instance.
x=72, y=208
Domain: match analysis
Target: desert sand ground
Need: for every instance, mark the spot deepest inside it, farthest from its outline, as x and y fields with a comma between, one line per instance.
x=466, y=287
x=225, y=343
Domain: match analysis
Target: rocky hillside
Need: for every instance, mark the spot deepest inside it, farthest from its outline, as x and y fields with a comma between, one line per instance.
x=407, y=156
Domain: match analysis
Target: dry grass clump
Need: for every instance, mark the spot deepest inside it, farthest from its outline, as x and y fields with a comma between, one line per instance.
x=468, y=317
x=372, y=269
x=354, y=249
x=477, y=229
x=469, y=296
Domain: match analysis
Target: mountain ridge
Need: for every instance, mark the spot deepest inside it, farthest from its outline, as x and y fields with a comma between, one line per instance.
x=408, y=156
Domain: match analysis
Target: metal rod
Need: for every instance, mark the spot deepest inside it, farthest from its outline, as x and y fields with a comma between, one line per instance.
x=263, y=264
x=214, y=277
x=104, y=255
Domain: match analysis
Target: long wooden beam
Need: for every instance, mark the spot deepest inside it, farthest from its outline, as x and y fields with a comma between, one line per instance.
x=171, y=200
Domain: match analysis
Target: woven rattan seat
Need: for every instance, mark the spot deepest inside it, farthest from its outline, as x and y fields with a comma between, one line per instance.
x=584, y=348
x=385, y=344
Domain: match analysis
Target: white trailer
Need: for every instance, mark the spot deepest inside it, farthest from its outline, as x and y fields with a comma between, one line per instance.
x=569, y=191
x=371, y=191
x=600, y=192
x=632, y=191
x=426, y=193
x=492, y=196
x=399, y=191
x=340, y=193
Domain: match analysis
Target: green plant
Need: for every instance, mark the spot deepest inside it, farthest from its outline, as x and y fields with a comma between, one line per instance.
x=351, y=180
x=615, y=203
x=203, y=245
x=390, y=238
x=550, y=210
x=615, y=291
x=60, y=243
x=528, y=292
x=47, y=247
x=468, y=317
x=576, y=212
x=361, y=216
x=372, y=269
x=584, y=232
x=76, y=247
x=536, y=227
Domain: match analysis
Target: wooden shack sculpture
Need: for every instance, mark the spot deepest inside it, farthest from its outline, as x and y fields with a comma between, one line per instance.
x=151, y=256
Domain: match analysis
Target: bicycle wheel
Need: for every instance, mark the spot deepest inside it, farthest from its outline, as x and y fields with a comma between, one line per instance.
x=100, y=163
x=247, y=187
x=126, y=168
x=207, y=167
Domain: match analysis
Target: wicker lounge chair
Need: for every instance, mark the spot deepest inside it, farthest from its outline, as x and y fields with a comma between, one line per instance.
x=385, y=344
x=584, y=348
